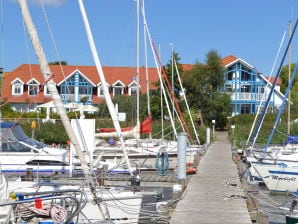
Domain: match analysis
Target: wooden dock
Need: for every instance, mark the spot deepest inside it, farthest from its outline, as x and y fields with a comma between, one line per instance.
x=214, y=194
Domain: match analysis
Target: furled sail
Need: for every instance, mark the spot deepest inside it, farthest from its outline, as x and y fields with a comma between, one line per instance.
x=129, y=132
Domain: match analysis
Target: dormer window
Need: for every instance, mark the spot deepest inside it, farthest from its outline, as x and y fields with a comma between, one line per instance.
x=118, y=89
x=17, y=87
x=33, y=88
x=133, y=89
x=100, y=90
x=46, y=91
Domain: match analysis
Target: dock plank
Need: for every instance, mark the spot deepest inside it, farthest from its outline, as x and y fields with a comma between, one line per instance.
x=214, y=194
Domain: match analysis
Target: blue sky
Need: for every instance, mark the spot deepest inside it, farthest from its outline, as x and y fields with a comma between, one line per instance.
x=251, y=30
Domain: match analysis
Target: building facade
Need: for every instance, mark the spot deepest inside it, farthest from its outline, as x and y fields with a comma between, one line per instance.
x=24, y=88
x=248, y=88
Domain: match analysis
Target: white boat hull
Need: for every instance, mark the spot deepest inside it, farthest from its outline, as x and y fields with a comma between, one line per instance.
x=123, y=205
x=278, y=178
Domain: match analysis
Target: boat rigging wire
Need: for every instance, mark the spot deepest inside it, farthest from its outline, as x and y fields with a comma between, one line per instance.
x=54, y=93
x=274, y=83
x=262, y=100
x=56, y=49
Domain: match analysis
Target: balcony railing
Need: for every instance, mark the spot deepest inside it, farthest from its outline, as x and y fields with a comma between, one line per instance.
x=248, y=96
x=71, y=97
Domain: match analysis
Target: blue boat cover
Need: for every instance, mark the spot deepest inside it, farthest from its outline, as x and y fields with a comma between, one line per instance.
x=292, y=139
x=7, y=124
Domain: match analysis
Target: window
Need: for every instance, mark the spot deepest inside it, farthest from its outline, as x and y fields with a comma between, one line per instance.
x=33, y=88
x=17, y=88
x=230, y=74
x=46, y=90
x=118, y=89
x=261, y=89
x=244, y=109
x=100, y=90
x=229, y=88
x=83, y=90
x=245, y=76
x=245, y=89
x=133, y=89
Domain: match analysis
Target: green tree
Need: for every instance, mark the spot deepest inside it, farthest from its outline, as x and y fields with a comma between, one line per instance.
x=284, y=76
x=203, y=84
x=127, y=104
x=216, y=70
x=172, y=72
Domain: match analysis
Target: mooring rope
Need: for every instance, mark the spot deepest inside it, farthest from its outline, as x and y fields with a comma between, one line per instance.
x=27, y=211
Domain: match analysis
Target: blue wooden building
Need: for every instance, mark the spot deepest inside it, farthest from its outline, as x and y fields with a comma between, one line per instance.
x=248, y=88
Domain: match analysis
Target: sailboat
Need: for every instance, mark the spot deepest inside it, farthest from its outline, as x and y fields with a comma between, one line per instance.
x=90, y=203
x=20, y=154
x=277, y=167
x=148, y=149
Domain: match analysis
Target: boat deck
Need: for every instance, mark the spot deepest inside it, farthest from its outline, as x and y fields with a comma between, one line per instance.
x=214, y=194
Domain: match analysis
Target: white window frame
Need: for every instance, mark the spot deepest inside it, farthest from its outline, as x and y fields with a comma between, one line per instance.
x=17, y=83
x=118, y=85
x=133, y=86
x=100, y=90
x=32, y=85
x=46, y=91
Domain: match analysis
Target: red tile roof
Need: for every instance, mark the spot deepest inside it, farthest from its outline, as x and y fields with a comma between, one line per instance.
x=26, y=72
x=126, y=75
x=271, y=80
x=186, y=67
x=228, y=59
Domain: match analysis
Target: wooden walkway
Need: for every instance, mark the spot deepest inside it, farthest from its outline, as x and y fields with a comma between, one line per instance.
x=214, y=194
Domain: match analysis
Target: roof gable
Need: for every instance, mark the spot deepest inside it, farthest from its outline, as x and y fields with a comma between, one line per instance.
x=133, y=83
x=230, y=60
x=81, y=73
x=118, y=82
x=32, y=80
x=16, y=80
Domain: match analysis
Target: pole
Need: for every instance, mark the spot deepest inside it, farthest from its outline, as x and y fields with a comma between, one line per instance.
x=289, y=73
x=172, y=70
x=45, y=69
x=181, y=157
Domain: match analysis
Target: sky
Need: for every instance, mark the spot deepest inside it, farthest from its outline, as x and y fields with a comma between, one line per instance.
x=256, y=31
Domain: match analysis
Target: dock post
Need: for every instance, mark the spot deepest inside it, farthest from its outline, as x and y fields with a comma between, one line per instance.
x=181, y=158
x=208, y=132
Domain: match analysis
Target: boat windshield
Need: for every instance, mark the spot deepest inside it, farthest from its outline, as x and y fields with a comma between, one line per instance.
x=14, y=139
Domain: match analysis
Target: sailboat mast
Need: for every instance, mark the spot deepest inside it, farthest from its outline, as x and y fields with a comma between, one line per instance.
x=147, y=76
x=186, y=103
x=172, y=73
x=138, y=62
x=159, y=70
x=104, y=85
x=45, y=69
x=261, y=118
x=254, y=130
x=289, y=73
x=50, y=84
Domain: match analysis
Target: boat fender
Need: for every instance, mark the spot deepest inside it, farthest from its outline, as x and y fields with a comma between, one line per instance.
x=162, y=163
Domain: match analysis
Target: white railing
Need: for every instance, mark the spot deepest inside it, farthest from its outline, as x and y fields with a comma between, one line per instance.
x=247, y=96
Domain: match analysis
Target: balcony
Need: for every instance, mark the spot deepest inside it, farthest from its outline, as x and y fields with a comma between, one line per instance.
x=71, y=97
x=247, y=96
